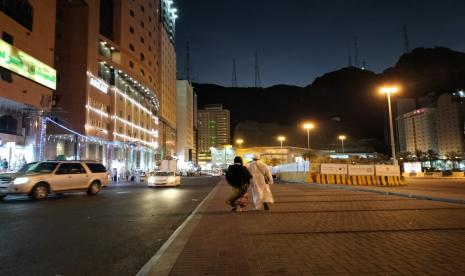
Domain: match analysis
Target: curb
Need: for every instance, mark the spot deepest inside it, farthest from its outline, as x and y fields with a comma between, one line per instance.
x=415, y=196
x=164, y=259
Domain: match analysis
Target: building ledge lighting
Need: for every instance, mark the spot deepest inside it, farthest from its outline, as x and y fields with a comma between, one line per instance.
x=98, y=111
x=152, y=132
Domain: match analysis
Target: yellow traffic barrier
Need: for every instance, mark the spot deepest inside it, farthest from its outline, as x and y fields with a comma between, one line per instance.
x=383, y=180
x=396, y=181
x=309, y=178
x=369, y=180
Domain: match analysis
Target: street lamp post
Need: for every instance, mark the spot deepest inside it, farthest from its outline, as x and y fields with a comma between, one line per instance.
x=391, y=90
x=281, y=139
x=308, y=126
x=342, y=138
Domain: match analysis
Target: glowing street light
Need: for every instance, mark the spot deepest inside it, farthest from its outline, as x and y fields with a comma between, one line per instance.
x=342, y=138
x=281, y=139
x=388, y=90
x=308, y=126
x=239, y=142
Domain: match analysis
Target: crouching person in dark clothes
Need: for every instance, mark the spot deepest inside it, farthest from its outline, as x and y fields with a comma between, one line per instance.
x=238, y=177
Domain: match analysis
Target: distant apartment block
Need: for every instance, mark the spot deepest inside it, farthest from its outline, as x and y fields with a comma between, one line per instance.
x=449, y=127
x=420, y=130
x=214, y=128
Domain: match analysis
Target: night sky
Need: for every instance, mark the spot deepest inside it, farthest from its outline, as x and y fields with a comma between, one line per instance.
x=299, y=40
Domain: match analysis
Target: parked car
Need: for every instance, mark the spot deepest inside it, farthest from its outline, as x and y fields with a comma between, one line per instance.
x=40, y=179
x=162, y=178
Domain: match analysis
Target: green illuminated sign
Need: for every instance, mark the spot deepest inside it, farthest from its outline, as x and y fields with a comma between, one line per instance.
x=23, y=64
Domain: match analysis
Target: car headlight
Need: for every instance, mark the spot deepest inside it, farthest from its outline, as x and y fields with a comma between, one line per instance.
x=151, y=179
x=21, y=180
x=171, y=179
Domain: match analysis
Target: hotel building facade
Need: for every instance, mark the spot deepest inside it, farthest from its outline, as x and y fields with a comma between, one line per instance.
x=116, y=94
x=27, y=76
x=214, y=131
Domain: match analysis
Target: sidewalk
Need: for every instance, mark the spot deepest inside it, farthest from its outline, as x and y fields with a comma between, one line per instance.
x=414, y=189
x=313, y=230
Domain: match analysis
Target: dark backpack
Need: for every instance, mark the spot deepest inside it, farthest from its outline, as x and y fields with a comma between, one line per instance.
x=237, y=176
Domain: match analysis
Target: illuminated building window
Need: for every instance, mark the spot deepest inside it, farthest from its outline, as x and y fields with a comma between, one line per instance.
x=131, y=12
x=142, y=57
x=131, y=64
x=131, y=47
x=131, y=30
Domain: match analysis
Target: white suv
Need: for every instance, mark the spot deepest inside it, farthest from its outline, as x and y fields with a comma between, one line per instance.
x=42, y=178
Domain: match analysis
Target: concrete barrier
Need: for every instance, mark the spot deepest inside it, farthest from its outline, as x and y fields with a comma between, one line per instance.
x=365, y=180
x=293, y=176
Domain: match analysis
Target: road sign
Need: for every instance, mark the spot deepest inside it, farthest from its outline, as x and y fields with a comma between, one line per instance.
x=361, y=170
x=333, y=169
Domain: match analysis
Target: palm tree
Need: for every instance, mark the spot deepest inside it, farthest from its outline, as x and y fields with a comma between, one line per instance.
x=431, y=155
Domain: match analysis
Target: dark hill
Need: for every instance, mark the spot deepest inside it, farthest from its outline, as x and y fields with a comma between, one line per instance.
x=426, y=70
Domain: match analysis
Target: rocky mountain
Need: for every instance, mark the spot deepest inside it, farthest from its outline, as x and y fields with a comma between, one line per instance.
x=344, y=101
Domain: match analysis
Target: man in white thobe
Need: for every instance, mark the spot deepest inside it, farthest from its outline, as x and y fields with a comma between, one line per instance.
x=261, y=181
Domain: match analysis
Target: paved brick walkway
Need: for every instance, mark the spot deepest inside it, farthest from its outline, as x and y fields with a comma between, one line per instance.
x=316, y=231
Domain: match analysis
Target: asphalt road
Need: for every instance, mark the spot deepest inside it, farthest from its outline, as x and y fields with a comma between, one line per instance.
x=114, y=233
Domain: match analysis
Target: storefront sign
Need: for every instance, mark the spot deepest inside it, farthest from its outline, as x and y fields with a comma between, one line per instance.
x=361, y=170
x=387, y=170
x=24, y=65
x=99, y=84
x=333, y=169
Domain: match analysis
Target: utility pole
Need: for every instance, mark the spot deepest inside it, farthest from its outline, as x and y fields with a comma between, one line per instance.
x=356, y=61
x=349, y=57
x=258, y=82
x=234, y=74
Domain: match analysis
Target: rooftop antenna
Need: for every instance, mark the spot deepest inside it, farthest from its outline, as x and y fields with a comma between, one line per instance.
x=234, y=74
x=356, y=61
x=258, y=82
x=187, y=67
x=406, y=40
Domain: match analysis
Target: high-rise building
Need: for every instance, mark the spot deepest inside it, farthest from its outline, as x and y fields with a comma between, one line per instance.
x=401, y=107
x=214, y=129
x=115, y=77
x=27, y=76
x=449, y=126
x=185, y=121
x=420, y=130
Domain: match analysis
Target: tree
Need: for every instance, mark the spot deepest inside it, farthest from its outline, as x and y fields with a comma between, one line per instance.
x=431, y=155
x=405, y=156
x=420, y=155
